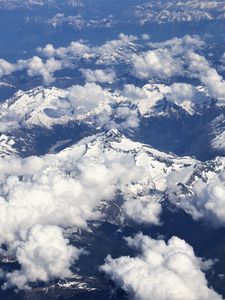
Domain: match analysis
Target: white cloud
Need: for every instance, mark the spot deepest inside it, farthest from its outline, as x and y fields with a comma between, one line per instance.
x=110, y=46
x=145, y=36
x=207, y=201
x=143, y=210
x=86, y=98
x=6, y=68
x=182, y=92
x=52, y=197
x=200, y=68
x=155, y=63
x=75, y=49
x=98, y=75
x=162, y=271
x=166, y=60
x=36, y=66
x=178, y=46
x=129, y=118
x=133, y=92
x=185, y=95
x=43, y=254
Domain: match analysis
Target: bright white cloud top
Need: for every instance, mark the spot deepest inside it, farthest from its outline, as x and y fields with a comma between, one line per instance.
x=162, y=271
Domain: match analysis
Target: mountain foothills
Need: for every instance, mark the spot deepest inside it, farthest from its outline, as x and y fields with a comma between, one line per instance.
x=112, y=150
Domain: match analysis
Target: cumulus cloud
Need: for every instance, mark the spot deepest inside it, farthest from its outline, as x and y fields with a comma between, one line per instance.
x=169, y=58
x=36, y=67
x=129, y=118
x=57, y=59
x=182, y=91
x=200, y=68
x=6, y=68
x=163, y=271
x=155, y=63
x=43, y=254
x=86, y=98
x=178, y=46
x=133, y=92
x=63, y=57
x=120, y=117
x=147, y=97
x=165, y=58
x=98, y=75
x=207, y=201
x=49, y=195
x=76, y=48
x=123, y=40
x=184, y=94
x=143, y=211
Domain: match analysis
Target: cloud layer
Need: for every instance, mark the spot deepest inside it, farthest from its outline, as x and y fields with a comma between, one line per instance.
x=61, y=191
x=175, y=57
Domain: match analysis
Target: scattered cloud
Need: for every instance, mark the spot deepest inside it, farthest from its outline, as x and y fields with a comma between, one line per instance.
x=207, y=201
x=76, y=48
x=177, y=46
x=63, y=57
x=163, y=271
x=36, y=67
x=86, y=98
x=199, y=67
x=133, y=92
x=98, y=75
x=143, y=211
x=165, y=59
x=106, y=53
x=6, y=68
x=155, y=63
x=43, y=254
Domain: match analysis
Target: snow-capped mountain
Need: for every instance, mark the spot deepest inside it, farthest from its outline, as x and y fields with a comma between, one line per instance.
x=112, y=149
x=158, y=164
x=151, y=105
x=46, y=107
x=179, y=11
x=42, y=107
x=14, y=4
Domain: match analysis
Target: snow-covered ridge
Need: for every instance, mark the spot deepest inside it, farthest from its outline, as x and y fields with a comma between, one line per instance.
x=154, y=99
x=13, y=4
x=43, y=107
x=157, y=164
x=179, y=11
x=6, y=146
x=46, y=107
